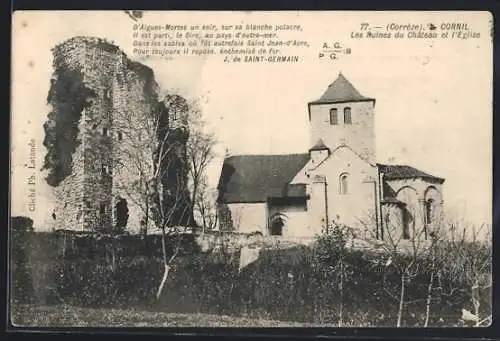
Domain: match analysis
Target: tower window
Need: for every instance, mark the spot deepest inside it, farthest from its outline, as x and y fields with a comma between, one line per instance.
x=102, y=208
x=344, y=183
x=105, y=131
x=347, y=116
x=120, y=136
x=334, y=116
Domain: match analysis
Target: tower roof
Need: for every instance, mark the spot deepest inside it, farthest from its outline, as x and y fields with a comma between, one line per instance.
x=341, y=90
x=397, y=172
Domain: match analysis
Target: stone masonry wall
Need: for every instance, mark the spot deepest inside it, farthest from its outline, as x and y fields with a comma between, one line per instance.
x=98, y=76
x=132, y=110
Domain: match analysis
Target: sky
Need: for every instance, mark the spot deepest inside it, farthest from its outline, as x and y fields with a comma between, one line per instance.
x=433, y=110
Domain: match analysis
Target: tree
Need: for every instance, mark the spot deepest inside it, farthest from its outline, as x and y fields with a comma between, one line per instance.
x=404, y=251
x=200, y=153
x=402, y=247
x=21, y=224
x=471, y=269
x=205, y=207
x=457, y=264
x=436, y=239
x=152, y=154
x=331, y=250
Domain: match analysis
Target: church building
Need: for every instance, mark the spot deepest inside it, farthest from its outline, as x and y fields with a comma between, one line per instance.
x=338, y=180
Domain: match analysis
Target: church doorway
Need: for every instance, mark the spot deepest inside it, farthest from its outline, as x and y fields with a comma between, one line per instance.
x=276, y=226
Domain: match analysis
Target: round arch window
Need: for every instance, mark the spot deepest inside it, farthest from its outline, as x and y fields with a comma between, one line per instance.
x=344, y=183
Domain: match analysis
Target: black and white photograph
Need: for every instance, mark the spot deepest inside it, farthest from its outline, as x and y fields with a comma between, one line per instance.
x=251, y=169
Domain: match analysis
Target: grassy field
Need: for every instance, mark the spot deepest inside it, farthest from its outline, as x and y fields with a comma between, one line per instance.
x=68, y=316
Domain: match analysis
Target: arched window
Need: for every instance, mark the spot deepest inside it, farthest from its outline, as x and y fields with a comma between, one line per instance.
x=429, y=205
x=347, y=116
x=334, y=116
x=276, y=227
x=407, y=221
x=344, y=183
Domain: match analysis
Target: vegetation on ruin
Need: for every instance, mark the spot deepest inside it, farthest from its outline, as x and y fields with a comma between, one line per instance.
x=68, y=97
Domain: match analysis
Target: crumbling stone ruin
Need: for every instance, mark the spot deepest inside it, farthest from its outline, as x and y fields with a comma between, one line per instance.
x=102, y=105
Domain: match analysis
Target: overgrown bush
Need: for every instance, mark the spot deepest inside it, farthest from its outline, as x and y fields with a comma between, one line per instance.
x=21, y=224
x=325, y=283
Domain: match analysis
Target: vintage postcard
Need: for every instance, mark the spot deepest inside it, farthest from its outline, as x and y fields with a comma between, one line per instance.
x=251, y=169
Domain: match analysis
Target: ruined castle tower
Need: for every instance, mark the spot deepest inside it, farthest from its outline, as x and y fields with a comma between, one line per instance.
x=105, y=109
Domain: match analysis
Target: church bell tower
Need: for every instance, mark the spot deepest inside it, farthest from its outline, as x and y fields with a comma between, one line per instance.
x=342, y=116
